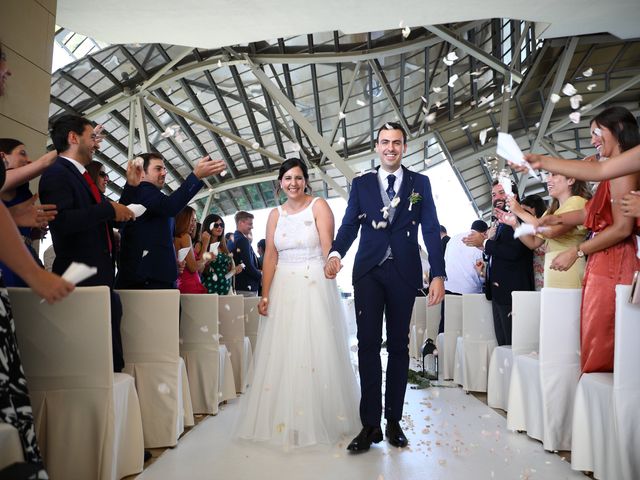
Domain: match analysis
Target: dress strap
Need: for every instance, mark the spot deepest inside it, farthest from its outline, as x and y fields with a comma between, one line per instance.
x=312, y=202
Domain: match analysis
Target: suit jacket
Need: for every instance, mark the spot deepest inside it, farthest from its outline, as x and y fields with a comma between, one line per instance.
x=364, y=207
x=511, y=266
x=249, y=279
x=147, y=251
x=80, y=229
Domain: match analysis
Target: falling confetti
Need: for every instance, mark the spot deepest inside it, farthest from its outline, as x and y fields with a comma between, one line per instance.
x=227, y=307
x=452, y=80
x=223, y=173
x=394, y=203
x=164, y=389
x=341, y=141
x=362, y=103
x=450, y=59
x=342, y=115
x=575, y=117
x=169, y=132
x=588, y=72
x=591, y=86
x=255, y=145
x=555, y=98
x=431, y=118
x=406, y=31
x=436, y=89
x=483, y=136
x=575, y=101
x=144, y=253
x=204, y=329
x=569, y=90
x=219, y=63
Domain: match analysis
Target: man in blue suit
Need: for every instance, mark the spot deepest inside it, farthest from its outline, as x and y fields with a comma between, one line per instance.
x=81, y=231
x=387, y=206
x=249, y=279
x=148, y=257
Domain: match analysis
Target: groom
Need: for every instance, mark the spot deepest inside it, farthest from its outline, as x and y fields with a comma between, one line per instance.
x=387, y=206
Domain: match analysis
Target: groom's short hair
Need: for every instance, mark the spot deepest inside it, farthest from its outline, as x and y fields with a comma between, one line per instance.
x=392, y=126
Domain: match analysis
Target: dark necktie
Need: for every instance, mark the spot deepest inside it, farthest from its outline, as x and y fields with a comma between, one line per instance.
x=98, y=198
x=391, y=178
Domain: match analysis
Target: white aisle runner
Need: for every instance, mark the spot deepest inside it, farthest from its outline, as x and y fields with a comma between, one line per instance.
x=451, y=436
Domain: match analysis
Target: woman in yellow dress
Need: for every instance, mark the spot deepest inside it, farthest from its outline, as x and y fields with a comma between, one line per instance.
x=568, y=195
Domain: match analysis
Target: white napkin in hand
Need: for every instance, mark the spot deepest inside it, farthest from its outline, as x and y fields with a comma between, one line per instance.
x=213, y=248
x=524, y=229
x=182, y=253
x=509, y=150
x=137, y=209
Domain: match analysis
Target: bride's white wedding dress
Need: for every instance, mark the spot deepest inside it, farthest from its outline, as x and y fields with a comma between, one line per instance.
x=303, y=390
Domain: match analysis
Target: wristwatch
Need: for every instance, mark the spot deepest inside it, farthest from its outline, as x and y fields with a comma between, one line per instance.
x=440, y=276
x=580, y=253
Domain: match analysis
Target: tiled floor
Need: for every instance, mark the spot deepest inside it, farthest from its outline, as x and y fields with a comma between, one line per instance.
x=452, y=435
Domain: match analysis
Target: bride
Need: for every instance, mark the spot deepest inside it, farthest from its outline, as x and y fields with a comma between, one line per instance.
x=303, y=391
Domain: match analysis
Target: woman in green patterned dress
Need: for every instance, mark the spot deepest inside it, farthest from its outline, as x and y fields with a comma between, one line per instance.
x=215, y=276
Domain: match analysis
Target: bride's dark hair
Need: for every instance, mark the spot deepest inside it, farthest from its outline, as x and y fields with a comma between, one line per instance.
x=293, y=162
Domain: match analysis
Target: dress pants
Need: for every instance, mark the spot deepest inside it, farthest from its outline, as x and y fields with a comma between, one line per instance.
x=502, y=322
x=383, y=291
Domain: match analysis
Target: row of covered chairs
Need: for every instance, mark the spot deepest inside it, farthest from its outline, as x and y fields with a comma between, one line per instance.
x=93, y=423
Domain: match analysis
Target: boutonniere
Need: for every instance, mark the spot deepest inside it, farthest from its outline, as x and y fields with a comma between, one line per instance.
x=414, y=198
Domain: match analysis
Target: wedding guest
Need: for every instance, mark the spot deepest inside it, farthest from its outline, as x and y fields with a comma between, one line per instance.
x=217, y=275
x=611, y=250
x=189, y=280
x=568, y=195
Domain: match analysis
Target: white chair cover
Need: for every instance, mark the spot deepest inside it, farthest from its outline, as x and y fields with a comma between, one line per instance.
x=87, y=419
x=452, y=330
x=10, y=446
x=418, y=327
x=525, y=315
x=433, y=321
x=150, y=342
x=231, y=314
x=478, y=341
x=349, y=308
x=606, y=422
x=555, y=372
x=626, y=382
x=458, y=368
x=227, y=385
x=499, y=378
x=251, y=320
x=200, y=348
x=559, y=363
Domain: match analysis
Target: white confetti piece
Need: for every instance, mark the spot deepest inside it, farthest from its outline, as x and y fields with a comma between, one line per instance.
x=227, y=307
x=452, y=80
x=450, y=59
x=396, y=200
x=431, y=118
x=575, y=101
x=574, y=117
x=483, y=136
x=362, y=103
x=406, y=31
x=223, y=173
x=204, y=329
x=164, y=389
x=436, y=89
x=341, y=141
x=555, y=98
x=569, y=90
x=342, y=115
x=255, y=145
x=219, y=63
x=169, y=132
x=144, y=253
x=591, y=86
x=588, y=72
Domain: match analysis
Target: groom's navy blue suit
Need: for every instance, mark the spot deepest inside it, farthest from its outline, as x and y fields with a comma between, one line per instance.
x=387, y=286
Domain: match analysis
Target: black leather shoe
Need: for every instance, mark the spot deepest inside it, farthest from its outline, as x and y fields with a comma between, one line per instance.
x=365, y=438
x=395, y=435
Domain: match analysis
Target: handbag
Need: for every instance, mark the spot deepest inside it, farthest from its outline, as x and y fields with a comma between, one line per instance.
x=634, y=297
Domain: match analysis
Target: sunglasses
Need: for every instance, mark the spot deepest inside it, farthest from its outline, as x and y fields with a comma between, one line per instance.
x=104, y=175
x=216, y=225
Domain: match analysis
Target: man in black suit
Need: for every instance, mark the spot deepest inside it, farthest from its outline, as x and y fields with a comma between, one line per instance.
x=80, y=231
x=148, y=257
x=249, y=279
x=509, y=266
